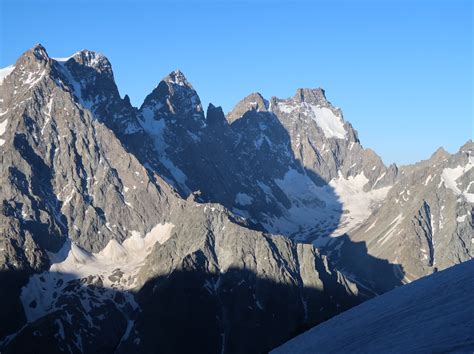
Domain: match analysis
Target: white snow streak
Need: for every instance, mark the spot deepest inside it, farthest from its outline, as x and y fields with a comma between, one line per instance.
x=4, y=72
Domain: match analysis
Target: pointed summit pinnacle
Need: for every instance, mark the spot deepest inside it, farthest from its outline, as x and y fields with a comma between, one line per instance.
x=35, y=54
x=177, y=77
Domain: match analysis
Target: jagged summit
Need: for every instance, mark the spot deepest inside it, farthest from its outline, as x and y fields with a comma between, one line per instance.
x=177, y=77
x=38, y=51
x=93, y=60
x=174, y=97
x=439, y=154
x=36, y=55
x=215, y=115
x=254, y=101
x=303, y=96
x=311, y=95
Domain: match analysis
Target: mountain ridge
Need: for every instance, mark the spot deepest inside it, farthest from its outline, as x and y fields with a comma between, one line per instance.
x=281, y=193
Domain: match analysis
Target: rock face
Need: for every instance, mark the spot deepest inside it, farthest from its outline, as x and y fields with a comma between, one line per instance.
x=425, y=223
x=64, y=174
x=169, y=228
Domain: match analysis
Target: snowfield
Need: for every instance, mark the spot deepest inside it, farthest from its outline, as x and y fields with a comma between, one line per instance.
x=431, y=315
x=72, y=262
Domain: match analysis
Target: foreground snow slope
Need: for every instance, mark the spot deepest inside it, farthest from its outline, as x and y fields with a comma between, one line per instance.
x=434, y=314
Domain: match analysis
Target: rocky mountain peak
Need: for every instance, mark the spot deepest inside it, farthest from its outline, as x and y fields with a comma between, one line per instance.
x=177, y=77
x=468, y=147
x=439, y=154
x=315, y=96
x=253, y=102
x=174, y=97
x=34, y=56
x=94, y=60
x=215, y=115
x=38, y=52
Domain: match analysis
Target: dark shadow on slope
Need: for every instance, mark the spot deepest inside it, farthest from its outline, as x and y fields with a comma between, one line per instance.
x=45, y=198
x=85, y=317
x=36, y=230
x=12, y=316
x=186, y=311
x=352, y=258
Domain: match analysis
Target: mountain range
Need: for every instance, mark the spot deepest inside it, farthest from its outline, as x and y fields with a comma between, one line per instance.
x=169, y=229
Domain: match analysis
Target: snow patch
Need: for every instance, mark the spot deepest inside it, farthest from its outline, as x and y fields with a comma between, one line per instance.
x=427, y=180
x=312, y=207
x=3, y=126
x=4, y=72
x=462, y=218
x=322, y=211
x=449, y=177
x=354, y=199
x=285, y=108
x=393, y=225
x=156, y=128
x=371, y=226
x=331, y=124
x=177, y=173
x=49, y=107
x=72, y=262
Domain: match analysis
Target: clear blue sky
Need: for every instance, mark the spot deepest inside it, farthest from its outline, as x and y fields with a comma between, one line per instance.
x=402, y=71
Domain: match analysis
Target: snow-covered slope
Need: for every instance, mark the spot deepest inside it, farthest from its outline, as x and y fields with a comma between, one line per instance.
x=4, y=72
x=117, y=266
x=432, y=315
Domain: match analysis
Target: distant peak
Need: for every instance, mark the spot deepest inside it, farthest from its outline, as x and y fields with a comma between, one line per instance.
x=440, y=153
x=177, y=77
x=91, y=59
x=36, y=53
x=468, y=146
x=253, y=102
x=314, y=95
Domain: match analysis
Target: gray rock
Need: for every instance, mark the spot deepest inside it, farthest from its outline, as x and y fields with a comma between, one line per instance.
x=426, y=222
